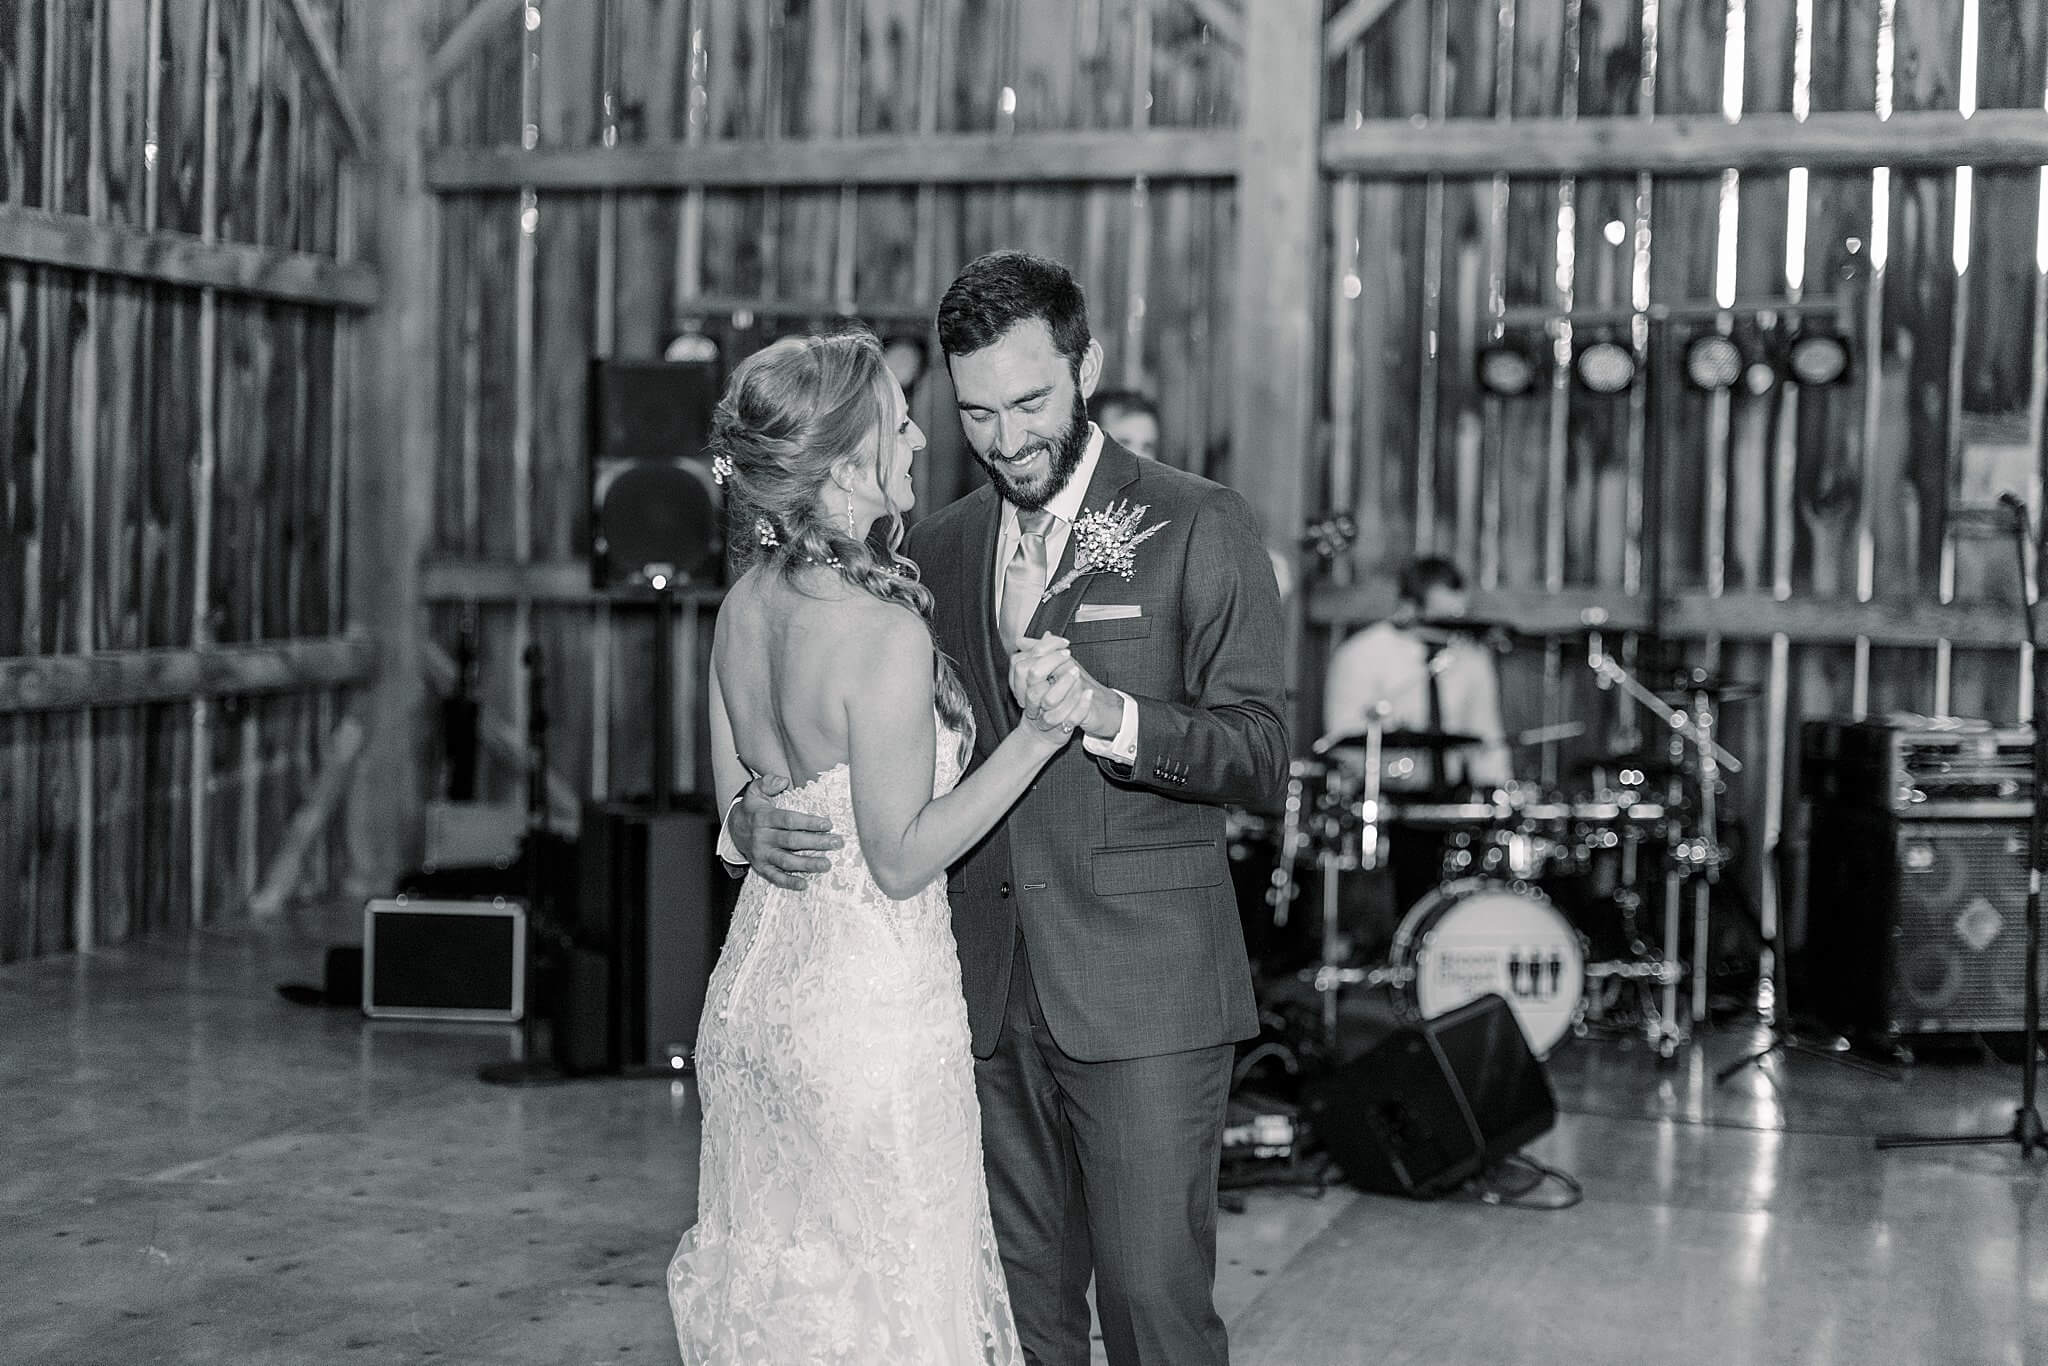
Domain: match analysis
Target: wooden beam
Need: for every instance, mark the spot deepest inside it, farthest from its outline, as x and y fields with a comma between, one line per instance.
x=1758, y=616
x=175, y=258
x=1279, y=239
x=316, y=60
x=502, y=739
x=1222, y=18
x=468, y=36
x=344, y=748
x=1735, y=616
x=550, y=582
x=393, y=444
x=770, y=306
x=127, y=678
x=1350, y=24
x=1529, y=611
x=946, y=159
x=1686, y=144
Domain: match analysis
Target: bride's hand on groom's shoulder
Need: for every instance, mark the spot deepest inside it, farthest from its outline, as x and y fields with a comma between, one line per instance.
x=782, y=845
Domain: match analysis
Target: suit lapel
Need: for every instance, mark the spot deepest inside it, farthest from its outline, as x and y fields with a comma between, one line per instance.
x=1115, y=471
x=989, y=673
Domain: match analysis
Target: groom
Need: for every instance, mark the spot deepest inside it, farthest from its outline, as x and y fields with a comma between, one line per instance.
x=1100, y=948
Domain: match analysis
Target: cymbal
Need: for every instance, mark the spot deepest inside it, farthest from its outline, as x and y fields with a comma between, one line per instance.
x=1649, y=763
x=1684, y=684
x=1404, y=739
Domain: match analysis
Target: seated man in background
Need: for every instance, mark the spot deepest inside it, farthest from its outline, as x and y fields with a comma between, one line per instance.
x=1129, y=418
x=1417, y=671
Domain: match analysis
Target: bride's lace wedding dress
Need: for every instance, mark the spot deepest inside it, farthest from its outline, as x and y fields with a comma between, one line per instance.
x=842, y=1215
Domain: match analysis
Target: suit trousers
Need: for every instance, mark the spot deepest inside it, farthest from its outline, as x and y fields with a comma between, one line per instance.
x=1109, y=1168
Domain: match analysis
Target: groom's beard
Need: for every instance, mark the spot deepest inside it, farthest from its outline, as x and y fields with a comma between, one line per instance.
x=1067, y=451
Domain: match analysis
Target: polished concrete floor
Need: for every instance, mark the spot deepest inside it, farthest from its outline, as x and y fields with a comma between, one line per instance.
x=193, y=1170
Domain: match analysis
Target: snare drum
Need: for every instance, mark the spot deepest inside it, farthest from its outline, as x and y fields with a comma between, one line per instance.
x=1477, y=935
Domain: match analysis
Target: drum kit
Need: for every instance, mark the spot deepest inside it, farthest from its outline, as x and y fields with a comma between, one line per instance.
x=1529, y=880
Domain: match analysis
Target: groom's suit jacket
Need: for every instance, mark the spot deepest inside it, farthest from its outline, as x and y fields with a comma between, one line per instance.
x=1119, y=877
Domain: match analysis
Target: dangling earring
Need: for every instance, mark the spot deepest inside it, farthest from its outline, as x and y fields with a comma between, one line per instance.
x=850, y=532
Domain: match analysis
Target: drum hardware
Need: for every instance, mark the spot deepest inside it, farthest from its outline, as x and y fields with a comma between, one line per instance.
x=1340, y=816
x=1694, y=853
x=1635, y=970
x=1479, y=935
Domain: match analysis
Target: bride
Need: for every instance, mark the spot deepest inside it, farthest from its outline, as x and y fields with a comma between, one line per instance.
x=842, y=1212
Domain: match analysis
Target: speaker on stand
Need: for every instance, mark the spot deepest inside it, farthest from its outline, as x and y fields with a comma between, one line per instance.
x=652, y=892
x=655, y=511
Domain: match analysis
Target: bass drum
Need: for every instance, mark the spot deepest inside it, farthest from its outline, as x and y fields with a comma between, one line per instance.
x=1477, y=935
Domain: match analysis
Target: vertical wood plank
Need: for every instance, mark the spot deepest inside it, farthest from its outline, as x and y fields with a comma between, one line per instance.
x=207, y=420
x=1276, y=256
x=392, y=443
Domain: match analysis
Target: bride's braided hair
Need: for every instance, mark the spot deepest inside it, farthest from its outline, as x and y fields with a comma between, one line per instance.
x=792, y=412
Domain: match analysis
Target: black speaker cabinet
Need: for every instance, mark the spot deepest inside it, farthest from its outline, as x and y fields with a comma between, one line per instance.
x=653, y=504
x=1433, y=1103
x=1914, y=927
x=657, y=898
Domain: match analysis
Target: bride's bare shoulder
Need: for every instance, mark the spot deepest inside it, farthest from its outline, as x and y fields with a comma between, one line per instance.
x=870, y=623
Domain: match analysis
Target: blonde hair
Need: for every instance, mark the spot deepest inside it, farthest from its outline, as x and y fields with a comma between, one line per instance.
x=792, y=413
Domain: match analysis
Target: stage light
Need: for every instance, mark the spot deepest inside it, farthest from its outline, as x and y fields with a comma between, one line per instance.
x=1713, y=362
x=1605, y=366
x=1507, y=368
x=1818, y=358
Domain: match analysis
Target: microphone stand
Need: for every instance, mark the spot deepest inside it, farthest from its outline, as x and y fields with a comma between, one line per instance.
x=2026, y=1127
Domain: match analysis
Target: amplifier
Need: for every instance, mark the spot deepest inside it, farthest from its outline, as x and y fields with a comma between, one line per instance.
x=444, y=960
x=1919, y=767
x=1915, y=926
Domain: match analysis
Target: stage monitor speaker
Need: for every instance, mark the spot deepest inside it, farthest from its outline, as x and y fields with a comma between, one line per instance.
x=657, y=896
x=1432, y=1104
x=1912, y=926
x=654, y=507
x=444, y=960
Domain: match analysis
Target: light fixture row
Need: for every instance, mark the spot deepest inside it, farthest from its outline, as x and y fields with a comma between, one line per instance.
x=1755, y=358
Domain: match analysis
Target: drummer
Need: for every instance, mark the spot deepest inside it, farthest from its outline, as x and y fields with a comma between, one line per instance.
x=1420, y=669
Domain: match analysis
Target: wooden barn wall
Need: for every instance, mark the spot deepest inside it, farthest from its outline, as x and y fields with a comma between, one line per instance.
x=535, y=284
x=168, y=458
x=1842, y=494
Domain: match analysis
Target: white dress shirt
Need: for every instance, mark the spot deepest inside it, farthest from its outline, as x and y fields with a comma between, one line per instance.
x=1385, y=664
x=1065, y=507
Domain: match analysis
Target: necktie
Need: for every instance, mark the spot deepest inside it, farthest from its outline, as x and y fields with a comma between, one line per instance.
x=1440, y=760
x=1023, y=578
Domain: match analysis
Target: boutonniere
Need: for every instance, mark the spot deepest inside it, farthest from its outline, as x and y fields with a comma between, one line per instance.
x=1106, y=541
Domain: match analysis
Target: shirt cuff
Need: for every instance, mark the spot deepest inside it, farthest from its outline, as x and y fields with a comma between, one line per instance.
x=728, y=851
x=1124, y=748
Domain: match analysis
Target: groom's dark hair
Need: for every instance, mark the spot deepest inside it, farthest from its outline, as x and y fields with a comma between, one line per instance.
x=997, y=291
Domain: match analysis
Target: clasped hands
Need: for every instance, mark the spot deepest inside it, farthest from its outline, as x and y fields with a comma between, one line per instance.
x=1056, y=693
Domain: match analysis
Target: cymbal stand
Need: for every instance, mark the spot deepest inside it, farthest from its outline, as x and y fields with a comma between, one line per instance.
x=1329, y=977
x=1705, y=849
x=1696, y=858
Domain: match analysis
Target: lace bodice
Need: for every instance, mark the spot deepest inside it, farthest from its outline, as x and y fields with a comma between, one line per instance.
x=842, y=1211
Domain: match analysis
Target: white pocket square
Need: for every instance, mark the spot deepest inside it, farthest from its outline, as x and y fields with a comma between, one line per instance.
x=1107, y=611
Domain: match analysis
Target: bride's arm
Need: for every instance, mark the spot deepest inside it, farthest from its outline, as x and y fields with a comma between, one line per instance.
x=909, y=836
x=728, y=774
